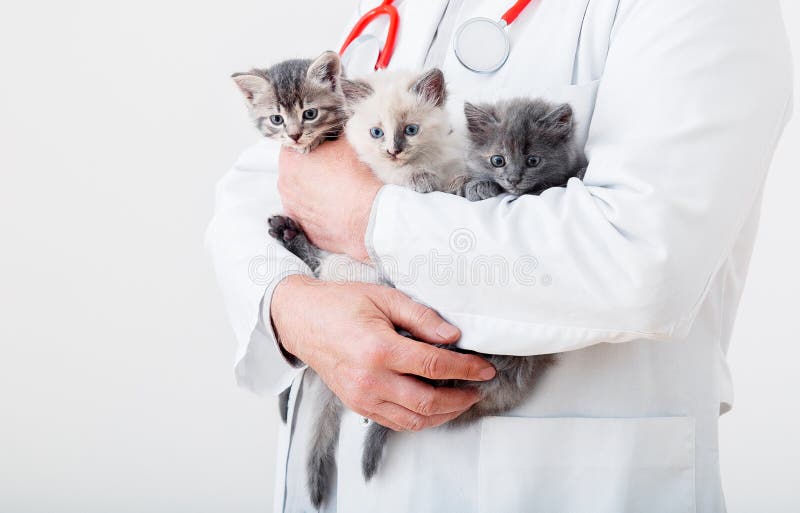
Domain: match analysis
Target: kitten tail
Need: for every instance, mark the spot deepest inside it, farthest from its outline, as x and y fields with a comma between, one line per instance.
x=283, y=404
x=322, y=460
x=373, y=449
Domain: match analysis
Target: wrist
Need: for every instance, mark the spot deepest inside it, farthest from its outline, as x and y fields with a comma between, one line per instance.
x=358, y=244
x=287, y=293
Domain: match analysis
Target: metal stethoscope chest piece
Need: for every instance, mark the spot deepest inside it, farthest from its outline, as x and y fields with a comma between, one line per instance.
x=482, y=45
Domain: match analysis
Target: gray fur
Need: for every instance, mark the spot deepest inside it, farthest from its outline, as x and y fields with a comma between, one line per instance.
x=289, y=233
x=373, y=449
x=513, y=383
x=516, y=130
x=476, y=190
x=289, y=88
x=283, y=405
x=423, y=181
x=355, y=90
x=322, y=458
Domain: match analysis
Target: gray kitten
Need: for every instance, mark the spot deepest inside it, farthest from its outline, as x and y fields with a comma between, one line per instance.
x=520, y=146
x=297, y=102
x=398, y=125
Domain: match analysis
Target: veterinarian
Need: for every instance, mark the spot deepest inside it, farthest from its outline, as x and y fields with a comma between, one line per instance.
x=633, y=275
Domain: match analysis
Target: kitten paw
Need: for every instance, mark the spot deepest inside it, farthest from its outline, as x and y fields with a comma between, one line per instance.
x=283, y=228
x=422, y=181
x=458, y=185
x=481, y=190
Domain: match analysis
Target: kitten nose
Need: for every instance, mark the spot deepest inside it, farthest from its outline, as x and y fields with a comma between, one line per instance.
x=514, y=180
x=295, y=137
x=393, y=152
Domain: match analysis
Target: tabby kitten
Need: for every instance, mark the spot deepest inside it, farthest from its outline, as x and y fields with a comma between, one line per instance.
x=519, y=146
x=296, y=102
x=299, y=103
x=398, y=125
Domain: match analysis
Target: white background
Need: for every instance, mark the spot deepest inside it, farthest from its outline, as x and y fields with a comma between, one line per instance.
x=116, y=390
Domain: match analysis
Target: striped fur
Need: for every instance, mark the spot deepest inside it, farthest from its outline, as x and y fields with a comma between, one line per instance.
x=288, y=90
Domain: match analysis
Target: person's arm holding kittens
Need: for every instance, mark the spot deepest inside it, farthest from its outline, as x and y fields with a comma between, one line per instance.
x=624, y=255
x=249, y=265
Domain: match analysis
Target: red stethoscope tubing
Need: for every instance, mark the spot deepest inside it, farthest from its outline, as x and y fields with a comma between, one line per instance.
x=386, y=8
x=515, y=11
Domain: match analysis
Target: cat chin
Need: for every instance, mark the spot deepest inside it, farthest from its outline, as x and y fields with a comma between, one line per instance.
x=302, y=149
x=392, y=173
x=396, y=162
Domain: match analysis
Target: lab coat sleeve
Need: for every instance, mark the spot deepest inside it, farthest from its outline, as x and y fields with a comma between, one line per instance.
x=249, y=264
x=692, y=102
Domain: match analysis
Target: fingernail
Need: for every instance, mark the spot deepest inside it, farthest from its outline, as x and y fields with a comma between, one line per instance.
x=487, y=373
x=447, y=331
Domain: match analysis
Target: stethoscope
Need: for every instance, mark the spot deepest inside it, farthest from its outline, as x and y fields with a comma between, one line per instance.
x=481, y=45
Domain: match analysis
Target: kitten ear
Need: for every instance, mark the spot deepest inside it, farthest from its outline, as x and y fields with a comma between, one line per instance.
x=327, y=68
x=355, y=90
x=431, y=87
x=253, y=87
x=480, y=120
x=558, y=123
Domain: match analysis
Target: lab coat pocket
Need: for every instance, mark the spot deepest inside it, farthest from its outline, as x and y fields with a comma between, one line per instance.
x=587, y=465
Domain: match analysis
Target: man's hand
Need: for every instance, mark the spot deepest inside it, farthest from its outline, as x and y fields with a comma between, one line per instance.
x=330, y=192
x=346, y=333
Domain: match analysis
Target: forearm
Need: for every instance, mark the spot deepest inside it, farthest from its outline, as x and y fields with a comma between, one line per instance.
x=249, y=265
x=678, y=159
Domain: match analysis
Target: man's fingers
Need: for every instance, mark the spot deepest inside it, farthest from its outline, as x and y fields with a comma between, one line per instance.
x=410, y=421
x=426, y=399
x=383, y=421
x=408, y=356
x=419, y=320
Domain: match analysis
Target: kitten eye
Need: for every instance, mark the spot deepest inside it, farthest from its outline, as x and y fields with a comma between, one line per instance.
x=412, y=130
x=310, y=114
x=497, y=160
x=276, y=119
x=376, y=132
x=533, y=161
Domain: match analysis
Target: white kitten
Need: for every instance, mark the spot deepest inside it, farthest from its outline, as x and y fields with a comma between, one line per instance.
x=400, y=128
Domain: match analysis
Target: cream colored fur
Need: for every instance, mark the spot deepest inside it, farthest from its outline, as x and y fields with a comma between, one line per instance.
x=436, y=149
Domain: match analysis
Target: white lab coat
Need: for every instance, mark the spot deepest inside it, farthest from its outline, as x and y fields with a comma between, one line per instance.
x=634, y=274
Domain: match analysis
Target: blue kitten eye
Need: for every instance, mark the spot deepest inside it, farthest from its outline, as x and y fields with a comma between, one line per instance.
x=497, y=160
x=276, y=119
x=412, y=130
x=310, y=114
x=533, y=161
x=376, y=132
